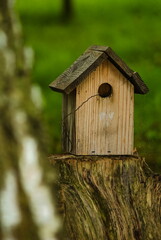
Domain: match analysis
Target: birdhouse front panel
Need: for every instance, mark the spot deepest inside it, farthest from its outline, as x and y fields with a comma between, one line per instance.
x=104, y=113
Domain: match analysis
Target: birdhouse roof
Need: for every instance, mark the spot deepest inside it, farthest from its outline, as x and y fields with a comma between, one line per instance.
x=87, y=63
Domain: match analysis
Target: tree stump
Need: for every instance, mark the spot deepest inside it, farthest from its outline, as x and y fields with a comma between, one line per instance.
x=108, y=198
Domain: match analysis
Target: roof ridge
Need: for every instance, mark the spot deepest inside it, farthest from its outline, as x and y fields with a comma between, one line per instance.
x=88, y=62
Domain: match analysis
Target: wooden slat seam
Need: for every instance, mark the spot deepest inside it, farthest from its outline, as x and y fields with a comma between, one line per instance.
x=138, y=82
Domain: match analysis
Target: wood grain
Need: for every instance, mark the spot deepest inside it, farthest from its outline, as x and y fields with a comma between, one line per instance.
x=139, y=86
x=68, y=123
x=104, y=126
x=115, y=59
x=138, y=83
x=79, y=70
x=87, y=63
x=108, y=198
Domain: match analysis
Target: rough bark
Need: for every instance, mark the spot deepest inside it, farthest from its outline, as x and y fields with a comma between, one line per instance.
x=26, y=203
x=113, y=198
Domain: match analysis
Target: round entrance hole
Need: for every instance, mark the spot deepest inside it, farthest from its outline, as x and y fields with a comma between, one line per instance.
x=105, y=90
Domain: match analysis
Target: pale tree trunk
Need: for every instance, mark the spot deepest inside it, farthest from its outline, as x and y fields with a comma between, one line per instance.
x=26, y=202
x=108, y=198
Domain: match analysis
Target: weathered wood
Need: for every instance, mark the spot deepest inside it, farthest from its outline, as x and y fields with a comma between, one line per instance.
x=68, y=122
x=138, y=83
x=139, y=86
x=115, y=59
x=105, y=125
x=79, y=70
x=108, y=198
x=87, y=63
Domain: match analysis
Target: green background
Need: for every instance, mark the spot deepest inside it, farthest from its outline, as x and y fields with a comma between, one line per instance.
x=132, y=28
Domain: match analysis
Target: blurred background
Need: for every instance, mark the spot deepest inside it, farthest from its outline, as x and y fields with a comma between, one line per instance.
x=60, y=31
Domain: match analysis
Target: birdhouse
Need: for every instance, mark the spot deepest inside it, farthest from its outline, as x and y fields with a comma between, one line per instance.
x=98, y=104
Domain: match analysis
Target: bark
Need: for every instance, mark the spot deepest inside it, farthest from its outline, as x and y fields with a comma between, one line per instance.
x=26, y=202
x=113, y=198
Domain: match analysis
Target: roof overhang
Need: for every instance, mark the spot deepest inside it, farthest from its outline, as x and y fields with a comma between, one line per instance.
x=87, y=63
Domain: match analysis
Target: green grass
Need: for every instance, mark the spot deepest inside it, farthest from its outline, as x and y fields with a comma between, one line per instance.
x=131, y=28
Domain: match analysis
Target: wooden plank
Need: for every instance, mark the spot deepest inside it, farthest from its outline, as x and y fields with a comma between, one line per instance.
x=79, y=70
x=139, y=86
x=119, y=63
x=138, y=83
x=130, y=134
x=115, y=59
x=104, y=125
x=64, y=123
x=68, y=122
x=87, y=63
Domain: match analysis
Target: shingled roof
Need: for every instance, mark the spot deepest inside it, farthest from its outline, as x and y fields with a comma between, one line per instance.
x=87, y=63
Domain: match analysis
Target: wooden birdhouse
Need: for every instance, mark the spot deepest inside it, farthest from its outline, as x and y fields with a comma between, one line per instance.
x=98, y=104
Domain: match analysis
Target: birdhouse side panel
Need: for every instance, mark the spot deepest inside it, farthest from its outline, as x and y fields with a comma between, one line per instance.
x=68, y=122
x=104, y=125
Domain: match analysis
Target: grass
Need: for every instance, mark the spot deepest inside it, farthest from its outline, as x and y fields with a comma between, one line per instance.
x=131, y=28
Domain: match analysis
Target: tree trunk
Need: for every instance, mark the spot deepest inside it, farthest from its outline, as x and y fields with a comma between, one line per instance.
x=67, y=9
x=113, y=198
x=26, y=203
